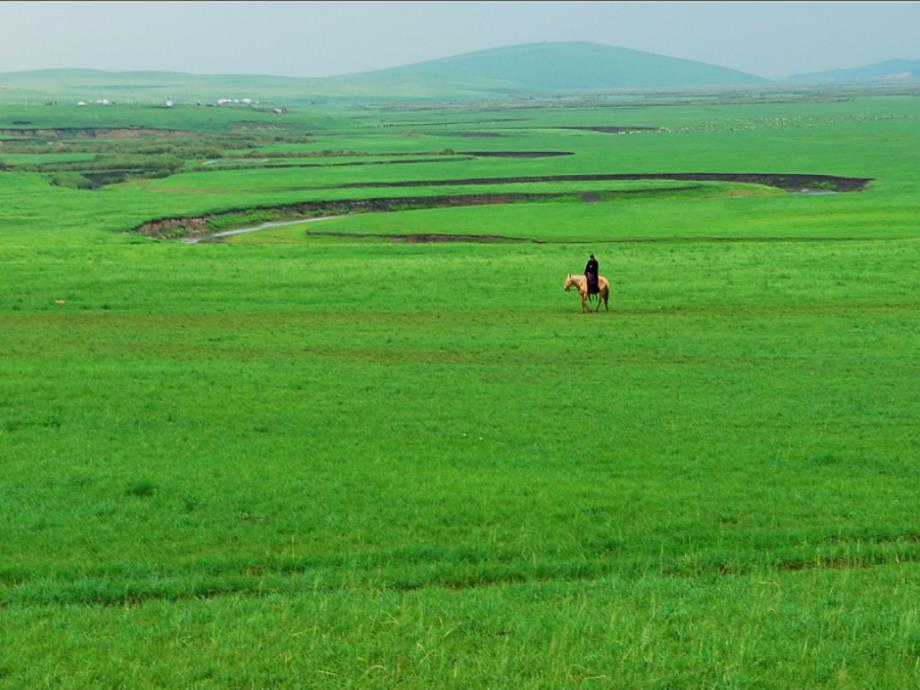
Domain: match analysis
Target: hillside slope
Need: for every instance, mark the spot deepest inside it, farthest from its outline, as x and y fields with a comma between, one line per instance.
x=576, y=66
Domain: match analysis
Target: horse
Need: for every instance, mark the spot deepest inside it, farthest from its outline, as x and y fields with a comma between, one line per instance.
x=581, y=282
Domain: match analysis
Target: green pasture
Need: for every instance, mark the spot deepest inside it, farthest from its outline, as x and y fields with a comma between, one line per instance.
x=292, y=459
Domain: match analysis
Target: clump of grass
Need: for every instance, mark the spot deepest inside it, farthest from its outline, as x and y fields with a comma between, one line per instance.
x=143, y=488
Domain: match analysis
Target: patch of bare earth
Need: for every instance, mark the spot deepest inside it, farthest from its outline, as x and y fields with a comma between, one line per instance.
x=96, y=132
x=173, y=227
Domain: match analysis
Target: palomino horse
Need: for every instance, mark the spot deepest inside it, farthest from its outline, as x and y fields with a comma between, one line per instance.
x=581, y=282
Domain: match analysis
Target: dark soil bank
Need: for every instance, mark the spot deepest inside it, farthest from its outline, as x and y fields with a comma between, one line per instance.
x=515, y=154
x=94, y=132
x=199, y=226
x=616, y=130
x=426, y=238
x=786, y=181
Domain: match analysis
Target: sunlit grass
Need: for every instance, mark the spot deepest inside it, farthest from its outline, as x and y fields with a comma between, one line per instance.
x=303, y=460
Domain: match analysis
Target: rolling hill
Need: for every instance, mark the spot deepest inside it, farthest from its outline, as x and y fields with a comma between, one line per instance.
x=533, y=69
x=575, y=66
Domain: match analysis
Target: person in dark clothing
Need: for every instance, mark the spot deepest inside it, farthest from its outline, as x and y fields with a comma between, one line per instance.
x=592, y=271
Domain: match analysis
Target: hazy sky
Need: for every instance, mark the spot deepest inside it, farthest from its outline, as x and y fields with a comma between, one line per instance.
x=315, y=39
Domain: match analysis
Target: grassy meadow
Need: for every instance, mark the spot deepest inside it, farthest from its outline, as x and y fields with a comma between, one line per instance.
x=332, y=455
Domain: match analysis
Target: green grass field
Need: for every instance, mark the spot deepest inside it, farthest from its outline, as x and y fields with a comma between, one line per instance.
x=318, y=456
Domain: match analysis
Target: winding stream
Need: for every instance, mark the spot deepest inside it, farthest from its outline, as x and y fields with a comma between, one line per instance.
x=253, y=228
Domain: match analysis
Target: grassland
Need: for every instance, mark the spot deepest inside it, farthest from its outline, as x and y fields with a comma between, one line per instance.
x=292, y=459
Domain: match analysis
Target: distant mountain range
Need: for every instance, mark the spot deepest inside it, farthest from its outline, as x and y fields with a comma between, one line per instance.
x=889, y=71
x=537, y=69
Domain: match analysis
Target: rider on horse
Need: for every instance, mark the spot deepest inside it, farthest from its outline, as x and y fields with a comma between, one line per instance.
x=591, y=273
